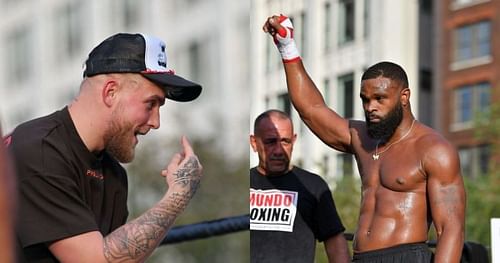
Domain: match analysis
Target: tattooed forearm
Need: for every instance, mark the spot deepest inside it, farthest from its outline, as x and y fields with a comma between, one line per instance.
x=137, y=239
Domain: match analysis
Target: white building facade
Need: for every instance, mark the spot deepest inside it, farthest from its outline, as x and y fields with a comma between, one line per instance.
x=338, y=40
x=44, y=44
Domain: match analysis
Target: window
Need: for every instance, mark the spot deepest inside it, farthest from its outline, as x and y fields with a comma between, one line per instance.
x=472, y=41
x=346, y=23
x=426, y=107
x=131, y=11
x=344, y=164
x=20, y=55
x=366, y=19
x=468, y=100
x=474, y=160
x=284, y=103
x=327, y=91
x=303, y=35
x=426, y=6
x=346, y=95
x=328, y=27
x=300, y=24
x=273, y=59
x=69, y=22
x=325, y=165
x=195, y=60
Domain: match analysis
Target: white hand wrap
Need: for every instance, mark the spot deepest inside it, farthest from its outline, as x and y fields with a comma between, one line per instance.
x=285, y=42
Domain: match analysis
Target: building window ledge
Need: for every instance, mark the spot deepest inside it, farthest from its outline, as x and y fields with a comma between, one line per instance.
x=474, y=62
x=457, y=6
x=460, y=126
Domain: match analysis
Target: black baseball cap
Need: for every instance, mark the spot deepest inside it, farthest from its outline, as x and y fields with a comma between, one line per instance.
x=143, y=54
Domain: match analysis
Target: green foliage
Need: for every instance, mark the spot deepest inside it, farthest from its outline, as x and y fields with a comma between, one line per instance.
x=482, y=204
x=482, y=192
x=347, y=198
x=223, y=192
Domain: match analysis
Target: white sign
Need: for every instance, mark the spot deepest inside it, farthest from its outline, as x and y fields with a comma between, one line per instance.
x=495, y=240
x=272, y=210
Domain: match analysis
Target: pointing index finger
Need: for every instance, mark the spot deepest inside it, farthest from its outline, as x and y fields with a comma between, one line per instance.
x=186, y=146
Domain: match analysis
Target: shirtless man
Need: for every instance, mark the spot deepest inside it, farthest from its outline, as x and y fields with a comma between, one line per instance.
x=410, y=174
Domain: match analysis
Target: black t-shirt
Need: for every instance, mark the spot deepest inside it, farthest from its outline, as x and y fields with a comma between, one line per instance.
x=64, y=190
x=288, y=213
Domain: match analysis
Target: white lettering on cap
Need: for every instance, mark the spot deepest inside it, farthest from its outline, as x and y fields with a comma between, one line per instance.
x=155, y=57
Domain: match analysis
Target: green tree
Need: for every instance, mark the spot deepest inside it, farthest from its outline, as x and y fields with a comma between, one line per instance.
x=347, y=198
x=482, y=192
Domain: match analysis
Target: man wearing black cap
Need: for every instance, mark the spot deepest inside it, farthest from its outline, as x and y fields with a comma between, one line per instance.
x=72, y=188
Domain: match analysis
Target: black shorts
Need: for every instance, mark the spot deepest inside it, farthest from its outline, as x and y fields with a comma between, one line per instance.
x=407, y=253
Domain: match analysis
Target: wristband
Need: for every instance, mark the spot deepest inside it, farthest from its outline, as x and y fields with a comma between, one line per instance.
x=285, y=42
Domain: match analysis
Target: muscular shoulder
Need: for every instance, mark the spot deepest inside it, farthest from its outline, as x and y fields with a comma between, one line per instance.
x=437, y=154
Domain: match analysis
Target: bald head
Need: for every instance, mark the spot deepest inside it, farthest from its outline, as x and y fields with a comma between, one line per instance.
x=280, y=115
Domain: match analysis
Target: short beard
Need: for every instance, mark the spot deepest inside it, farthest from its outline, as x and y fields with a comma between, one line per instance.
x=384, y=129
x=117, y=139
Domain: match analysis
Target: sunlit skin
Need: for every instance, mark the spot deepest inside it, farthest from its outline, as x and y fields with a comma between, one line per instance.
x=273, y=142
x=134, y=115
x=416, y=179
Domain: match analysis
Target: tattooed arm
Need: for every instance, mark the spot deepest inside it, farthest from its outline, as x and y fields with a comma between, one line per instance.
x=136, y=240
x=446, y=194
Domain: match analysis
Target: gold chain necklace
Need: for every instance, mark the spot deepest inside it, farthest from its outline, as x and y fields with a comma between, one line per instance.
x=377, y=154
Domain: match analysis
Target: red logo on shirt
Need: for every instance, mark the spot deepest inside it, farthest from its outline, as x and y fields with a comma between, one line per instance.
x=94, y=174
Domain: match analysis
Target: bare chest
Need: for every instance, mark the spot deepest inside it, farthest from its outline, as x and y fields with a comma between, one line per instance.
x=398, y=169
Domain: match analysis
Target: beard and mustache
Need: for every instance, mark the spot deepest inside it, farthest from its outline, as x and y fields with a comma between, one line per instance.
x=385, y=128
x=118, y=138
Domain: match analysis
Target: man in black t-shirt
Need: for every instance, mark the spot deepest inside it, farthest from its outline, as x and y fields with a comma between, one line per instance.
x=290, y=208
x=72, y=188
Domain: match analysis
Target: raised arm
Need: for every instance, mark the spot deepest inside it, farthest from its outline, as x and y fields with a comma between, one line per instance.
x=136, y=240
x=305, y=96
x=447, y=200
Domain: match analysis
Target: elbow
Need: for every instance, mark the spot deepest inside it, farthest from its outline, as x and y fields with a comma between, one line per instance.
x=452, y=230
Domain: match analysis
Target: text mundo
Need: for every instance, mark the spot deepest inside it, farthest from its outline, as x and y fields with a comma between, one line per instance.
x=277, y=199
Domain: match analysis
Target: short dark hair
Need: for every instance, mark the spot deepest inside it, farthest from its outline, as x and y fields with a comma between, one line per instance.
x=389, y=70
x=268, y=113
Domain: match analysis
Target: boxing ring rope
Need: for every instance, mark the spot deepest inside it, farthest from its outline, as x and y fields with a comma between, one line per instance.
x=207, y=229
x=223, y=226
x=472, y=251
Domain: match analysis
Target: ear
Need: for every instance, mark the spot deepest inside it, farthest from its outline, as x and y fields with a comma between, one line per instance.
x=109, y=92
x=253, y=142
x=405, y=97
